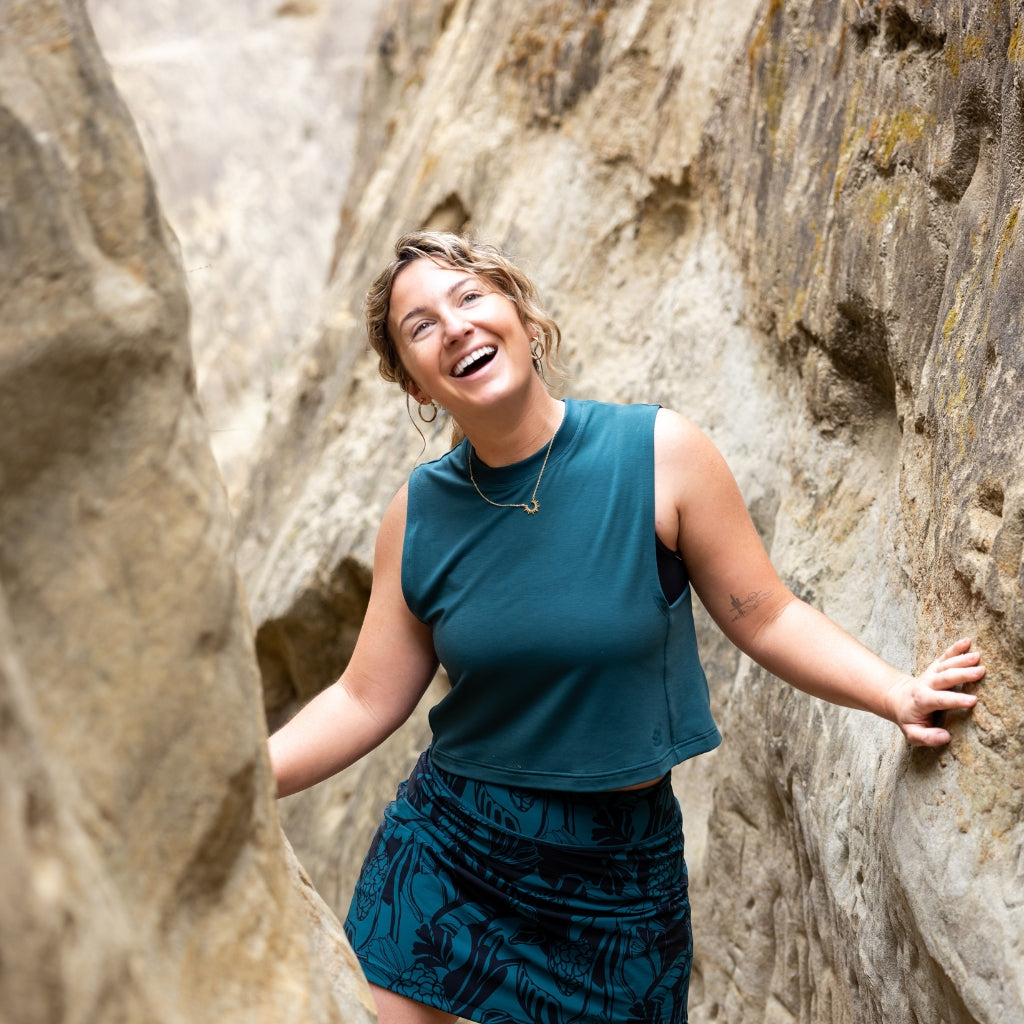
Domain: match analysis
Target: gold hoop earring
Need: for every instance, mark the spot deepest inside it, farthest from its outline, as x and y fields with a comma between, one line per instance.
x=536, y=350
x=419, y=412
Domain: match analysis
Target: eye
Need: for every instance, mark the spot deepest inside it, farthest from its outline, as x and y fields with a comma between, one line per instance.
x=418, y=328
x=471, y=296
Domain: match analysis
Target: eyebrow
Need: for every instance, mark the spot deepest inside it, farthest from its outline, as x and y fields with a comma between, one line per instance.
x=448, y=294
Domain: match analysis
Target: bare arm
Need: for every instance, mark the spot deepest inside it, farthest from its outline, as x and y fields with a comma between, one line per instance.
x=700, y=507
x=391, y=667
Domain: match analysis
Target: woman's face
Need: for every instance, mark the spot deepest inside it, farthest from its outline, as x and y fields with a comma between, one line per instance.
x=460, y=340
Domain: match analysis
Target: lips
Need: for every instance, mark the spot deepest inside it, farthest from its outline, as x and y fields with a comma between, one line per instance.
x=475, y=360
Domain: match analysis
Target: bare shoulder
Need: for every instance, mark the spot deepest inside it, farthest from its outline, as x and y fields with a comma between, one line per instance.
x=681, y=447
x=682, y=453
x=671, y=426
x=727, y=563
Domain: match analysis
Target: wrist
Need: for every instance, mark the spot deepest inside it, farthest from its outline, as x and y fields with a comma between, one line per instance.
x=891, y=701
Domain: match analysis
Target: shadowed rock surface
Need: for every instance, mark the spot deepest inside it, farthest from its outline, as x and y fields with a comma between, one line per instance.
x=144, y=877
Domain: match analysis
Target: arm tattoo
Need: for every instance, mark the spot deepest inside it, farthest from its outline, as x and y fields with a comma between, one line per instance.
x=742, y=608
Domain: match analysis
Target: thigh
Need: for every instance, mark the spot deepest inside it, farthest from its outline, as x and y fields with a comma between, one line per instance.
x=395, y=1009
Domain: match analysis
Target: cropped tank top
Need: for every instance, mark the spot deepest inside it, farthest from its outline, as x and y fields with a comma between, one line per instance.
x=569, y=668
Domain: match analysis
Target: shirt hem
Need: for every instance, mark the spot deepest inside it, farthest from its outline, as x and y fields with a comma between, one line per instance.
x=576, y=781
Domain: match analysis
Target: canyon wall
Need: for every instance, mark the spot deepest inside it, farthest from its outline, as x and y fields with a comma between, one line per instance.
x=246, y=110
x=796, y=223
x=143, y=874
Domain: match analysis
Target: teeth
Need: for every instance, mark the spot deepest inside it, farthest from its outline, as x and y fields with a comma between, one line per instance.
x=467, y=361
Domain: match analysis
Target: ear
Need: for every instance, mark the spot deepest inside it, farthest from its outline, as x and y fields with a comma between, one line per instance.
x=418, y=393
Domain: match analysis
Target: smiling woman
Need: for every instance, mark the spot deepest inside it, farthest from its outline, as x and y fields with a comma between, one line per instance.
x=484, y=269
x=460, y=340
x=531, y=868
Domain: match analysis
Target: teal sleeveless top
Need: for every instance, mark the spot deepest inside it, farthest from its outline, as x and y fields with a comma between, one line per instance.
x=569, y=668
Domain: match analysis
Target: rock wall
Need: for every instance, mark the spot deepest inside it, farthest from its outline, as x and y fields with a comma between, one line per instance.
x=143, y=876
x=247, y=110
x=796, y=223
x=874, y=153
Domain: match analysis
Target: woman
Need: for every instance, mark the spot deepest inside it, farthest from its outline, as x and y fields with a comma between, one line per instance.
x=531, y=868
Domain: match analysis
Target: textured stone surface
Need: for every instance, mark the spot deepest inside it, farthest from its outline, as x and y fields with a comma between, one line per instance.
x=66, y=939
x=247, y=110
x=797, y=223
x=894, y=130
x=143, y=871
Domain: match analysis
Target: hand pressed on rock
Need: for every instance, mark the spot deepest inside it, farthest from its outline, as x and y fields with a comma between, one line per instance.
x=916, y=700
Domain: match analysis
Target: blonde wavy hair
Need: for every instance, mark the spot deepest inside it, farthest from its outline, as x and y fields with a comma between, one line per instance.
x=482, y=260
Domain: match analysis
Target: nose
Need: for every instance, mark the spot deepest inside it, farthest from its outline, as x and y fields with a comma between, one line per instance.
x=456, y=326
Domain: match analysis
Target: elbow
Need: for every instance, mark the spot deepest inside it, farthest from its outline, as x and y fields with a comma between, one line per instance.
x=754, y=627
x=277, y=769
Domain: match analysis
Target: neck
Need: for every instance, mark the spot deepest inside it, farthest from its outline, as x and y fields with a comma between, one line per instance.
x=506, y=436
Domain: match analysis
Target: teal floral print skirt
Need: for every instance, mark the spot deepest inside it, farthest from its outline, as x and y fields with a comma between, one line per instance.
x=514, y=906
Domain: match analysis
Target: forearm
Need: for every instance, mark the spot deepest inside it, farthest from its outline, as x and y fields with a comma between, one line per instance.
x=331, y=732
x=806, y=649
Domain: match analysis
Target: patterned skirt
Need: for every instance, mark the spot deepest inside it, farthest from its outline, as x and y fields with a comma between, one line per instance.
x=511, y=906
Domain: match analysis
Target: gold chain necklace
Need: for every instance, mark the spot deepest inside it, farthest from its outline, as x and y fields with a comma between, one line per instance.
x=532, y=507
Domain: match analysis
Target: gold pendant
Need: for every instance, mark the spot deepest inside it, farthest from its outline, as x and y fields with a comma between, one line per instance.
x=533, y=507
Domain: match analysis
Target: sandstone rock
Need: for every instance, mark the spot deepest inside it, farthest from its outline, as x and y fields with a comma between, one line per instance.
x=247, y=111
x=143, y=870
x=894, y=130
x=797, y=223
x=66, y=936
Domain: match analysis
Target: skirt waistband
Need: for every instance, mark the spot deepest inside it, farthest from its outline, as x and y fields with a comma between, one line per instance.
x=606, y=820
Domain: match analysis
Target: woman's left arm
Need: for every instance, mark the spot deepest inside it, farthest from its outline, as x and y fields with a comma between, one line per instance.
x=699, y=506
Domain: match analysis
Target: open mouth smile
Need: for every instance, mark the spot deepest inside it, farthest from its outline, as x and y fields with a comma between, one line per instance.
x=476, y=360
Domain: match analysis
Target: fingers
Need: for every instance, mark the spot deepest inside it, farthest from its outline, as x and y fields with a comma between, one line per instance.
x=957, y=666
x=924, y=729
x=939, y=691
x=957, y=647
x=954, y=675
x=926, y=736
x=949, y=701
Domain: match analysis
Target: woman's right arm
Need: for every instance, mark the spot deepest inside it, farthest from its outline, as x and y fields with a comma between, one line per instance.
x=391, y=667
